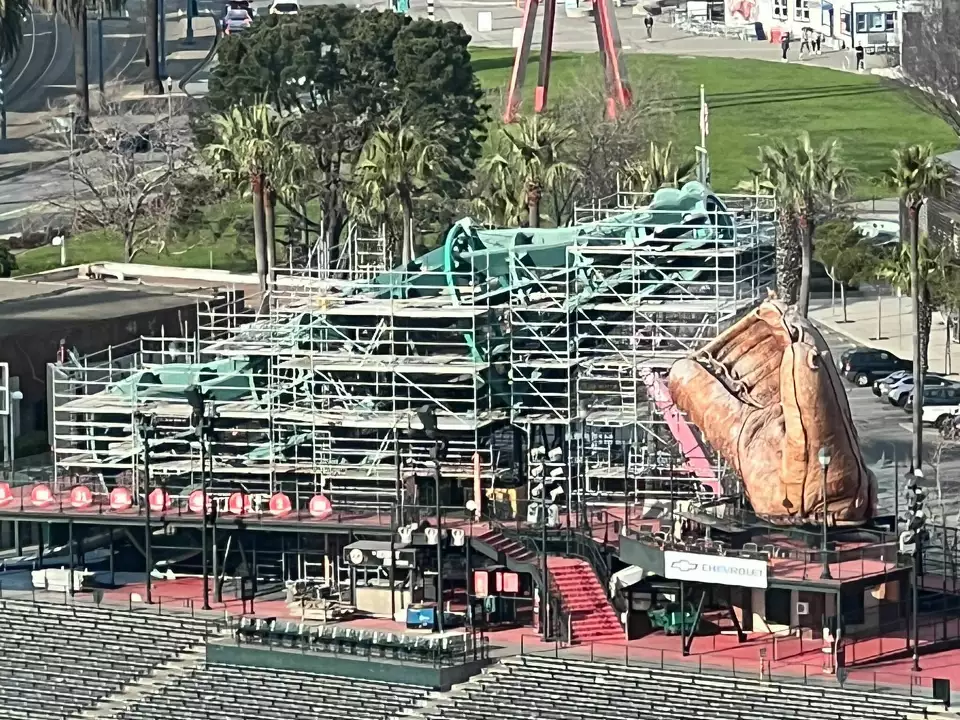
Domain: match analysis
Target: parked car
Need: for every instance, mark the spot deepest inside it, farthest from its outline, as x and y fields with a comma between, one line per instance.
x=882, y=386
x=864, y=365
x=940, y=405
x=236, y=21
x=900, y=393
x=285, y=7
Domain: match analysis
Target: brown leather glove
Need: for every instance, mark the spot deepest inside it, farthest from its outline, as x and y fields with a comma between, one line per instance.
x=767, y=396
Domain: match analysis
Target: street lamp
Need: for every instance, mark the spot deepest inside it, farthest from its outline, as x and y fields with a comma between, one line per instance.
x=824, y=457
x=201, y=426
x=15, y=396
x=146, y=428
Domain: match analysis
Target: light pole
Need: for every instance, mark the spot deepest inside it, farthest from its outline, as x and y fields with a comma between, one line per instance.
x=3, y=108
x=15, y=396
x=914, y=534
x=190, y=15
x=147, y=431
x=198, y=418
x=824, y=457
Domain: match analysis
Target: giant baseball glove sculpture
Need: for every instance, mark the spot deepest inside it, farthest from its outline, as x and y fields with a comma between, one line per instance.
x=767, y=396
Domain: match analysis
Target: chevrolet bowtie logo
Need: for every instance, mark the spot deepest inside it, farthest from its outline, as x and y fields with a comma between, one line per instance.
x=684, y=566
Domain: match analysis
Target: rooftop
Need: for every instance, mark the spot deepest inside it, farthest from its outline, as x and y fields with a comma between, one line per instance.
x=29, y=306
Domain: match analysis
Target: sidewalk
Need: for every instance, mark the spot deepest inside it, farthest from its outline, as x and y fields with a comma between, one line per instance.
x=579, y=34
x=894, y=316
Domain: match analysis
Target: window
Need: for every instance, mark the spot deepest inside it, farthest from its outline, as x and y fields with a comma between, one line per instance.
x=875, y=22
x=845, y=22
x=777, y=604
x=801, y=9
x=780, y=9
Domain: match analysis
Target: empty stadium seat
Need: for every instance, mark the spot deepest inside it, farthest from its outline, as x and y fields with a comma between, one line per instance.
x=57, y=660
x=241, y=693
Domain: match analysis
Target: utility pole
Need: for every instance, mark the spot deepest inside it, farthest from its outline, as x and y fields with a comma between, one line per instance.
x=188, y=40
x=3, y=108
x=100, y=77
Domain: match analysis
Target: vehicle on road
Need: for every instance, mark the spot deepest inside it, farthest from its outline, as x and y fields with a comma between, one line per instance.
x=862, y=366
x=244, y=5
x=900, y=393
x=940, y=404
x=236, y=21
x=285, y=7
x=882, y=386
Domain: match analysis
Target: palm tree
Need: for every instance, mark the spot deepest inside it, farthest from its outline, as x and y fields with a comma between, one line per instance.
x=74, y=13
x=402, y=162
x=154, y=84
x=13, y=15
x=252, y=151
x=807, y=181
x=658, y=169
x=917, y=175
x=533, y=150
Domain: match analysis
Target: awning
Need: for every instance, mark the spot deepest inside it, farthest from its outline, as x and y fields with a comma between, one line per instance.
x=625, y=578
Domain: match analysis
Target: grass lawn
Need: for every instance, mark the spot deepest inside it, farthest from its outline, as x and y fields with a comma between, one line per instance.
x=754, y=101
x=213, y=244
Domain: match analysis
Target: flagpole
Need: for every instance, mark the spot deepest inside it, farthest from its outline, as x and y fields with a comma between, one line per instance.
x=704, y=161
x=703, y=118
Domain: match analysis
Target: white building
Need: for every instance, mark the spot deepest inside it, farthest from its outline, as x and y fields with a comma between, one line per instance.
x=870, y=22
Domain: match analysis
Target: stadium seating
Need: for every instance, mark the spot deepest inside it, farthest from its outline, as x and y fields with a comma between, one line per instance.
x=238, y=693
x=558, y=689
x=56, y=659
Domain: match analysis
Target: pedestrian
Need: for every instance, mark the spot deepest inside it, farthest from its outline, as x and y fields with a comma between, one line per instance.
x=785, y=45
x=818, y=43
x=804, y=42
x=648, y=24
x=859, y=55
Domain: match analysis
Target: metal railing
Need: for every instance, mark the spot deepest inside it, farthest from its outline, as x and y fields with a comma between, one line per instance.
x=757, y=668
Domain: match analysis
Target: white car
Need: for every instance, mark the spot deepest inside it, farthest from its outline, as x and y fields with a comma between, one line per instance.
x=285, y=7
x=901, y=391
x=882, y=386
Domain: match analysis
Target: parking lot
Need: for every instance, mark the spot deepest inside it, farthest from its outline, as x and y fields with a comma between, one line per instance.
x=885, y=440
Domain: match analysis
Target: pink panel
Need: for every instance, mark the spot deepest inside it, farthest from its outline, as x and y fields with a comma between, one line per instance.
x=695, y=460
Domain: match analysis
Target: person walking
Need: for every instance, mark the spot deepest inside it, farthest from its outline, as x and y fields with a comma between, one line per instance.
x=859, y=55
x=804, y=42
x=818, y=43
x=648, y=24
x=785, y=45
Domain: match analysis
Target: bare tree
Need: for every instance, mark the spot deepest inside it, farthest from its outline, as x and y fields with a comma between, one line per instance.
x=122, y=172
x=603, y=146
x=930, y=57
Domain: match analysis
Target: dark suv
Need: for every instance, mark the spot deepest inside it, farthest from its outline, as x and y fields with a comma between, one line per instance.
x=864, y=365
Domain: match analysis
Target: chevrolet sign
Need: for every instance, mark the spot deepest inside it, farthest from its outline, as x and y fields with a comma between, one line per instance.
x=715, y=569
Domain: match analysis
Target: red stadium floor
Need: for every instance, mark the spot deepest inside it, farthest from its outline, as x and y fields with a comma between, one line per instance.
x=787, y=658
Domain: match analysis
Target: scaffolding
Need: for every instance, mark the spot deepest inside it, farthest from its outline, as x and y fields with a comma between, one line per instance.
x=518, y=342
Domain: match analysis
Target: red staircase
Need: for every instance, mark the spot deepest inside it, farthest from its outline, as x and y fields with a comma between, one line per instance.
x=573, y=581
x=511, y=548
x=593, y=619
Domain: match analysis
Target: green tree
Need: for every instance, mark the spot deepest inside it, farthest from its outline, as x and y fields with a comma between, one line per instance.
x=917, y=175
x=8, y=261
x=535, y=154
x=254, y=153
x=13, y=15
x=658, y=168
x=399, y=161
x=342, y=71
x=808, y=182
x=845, y=255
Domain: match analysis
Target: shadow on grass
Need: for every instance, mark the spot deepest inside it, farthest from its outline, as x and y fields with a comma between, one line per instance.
x=786, y=95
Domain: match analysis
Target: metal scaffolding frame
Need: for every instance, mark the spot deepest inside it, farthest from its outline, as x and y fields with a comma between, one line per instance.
x=530, y=342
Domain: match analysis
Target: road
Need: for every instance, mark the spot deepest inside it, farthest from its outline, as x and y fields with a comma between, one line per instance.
x=43, y=70
x=885, y=440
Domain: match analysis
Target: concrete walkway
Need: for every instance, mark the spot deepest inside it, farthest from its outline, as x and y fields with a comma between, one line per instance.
x=893, y=317
x=578, y=34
